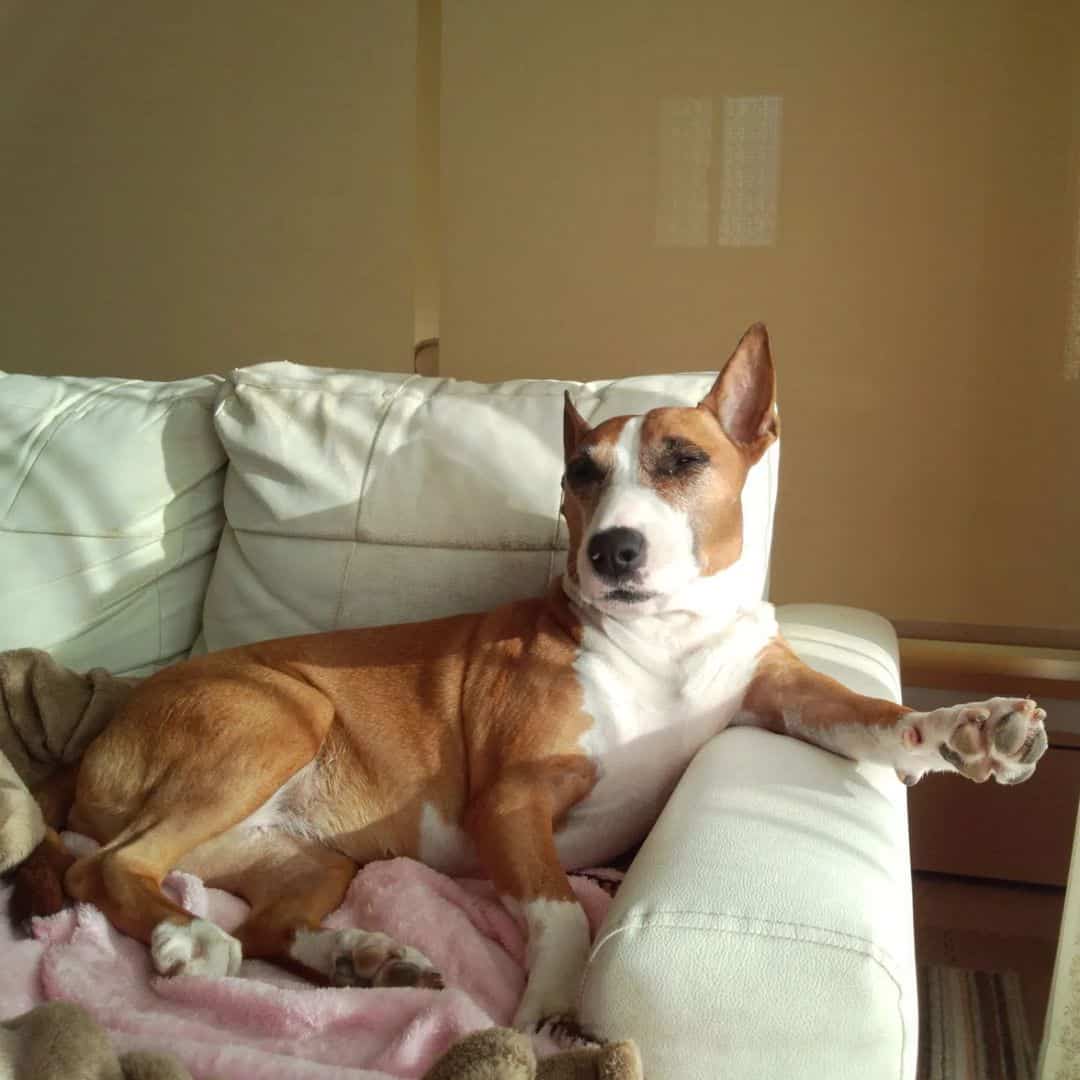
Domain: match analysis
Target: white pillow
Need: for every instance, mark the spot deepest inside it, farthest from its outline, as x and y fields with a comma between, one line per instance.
x=110, y=514
x=361, y=498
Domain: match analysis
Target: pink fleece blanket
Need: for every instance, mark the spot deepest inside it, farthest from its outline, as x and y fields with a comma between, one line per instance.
x=267, y=1024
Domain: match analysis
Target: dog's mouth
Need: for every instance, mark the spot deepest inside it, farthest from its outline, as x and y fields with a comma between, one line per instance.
x=625, y=595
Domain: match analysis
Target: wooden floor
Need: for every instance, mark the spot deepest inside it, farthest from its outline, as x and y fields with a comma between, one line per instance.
x=991, y=926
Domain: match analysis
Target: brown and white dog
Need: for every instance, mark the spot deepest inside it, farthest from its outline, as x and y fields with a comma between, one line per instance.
x=543, y=735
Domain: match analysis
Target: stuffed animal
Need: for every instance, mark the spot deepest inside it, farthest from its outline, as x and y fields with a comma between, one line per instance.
x=48, y=716
x=21, y=825
x=62, y=1041
x=505, y=1054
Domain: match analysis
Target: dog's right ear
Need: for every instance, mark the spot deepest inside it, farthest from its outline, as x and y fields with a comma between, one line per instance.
x=574, y=428
x=743, y=398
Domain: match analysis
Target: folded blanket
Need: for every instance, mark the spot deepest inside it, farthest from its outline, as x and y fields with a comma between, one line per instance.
x=267, y=1024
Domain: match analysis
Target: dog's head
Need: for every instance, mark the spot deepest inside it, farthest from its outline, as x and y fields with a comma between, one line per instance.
x=653, y=502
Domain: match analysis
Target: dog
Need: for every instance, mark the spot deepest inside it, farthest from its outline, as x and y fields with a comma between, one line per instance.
x=542, y=736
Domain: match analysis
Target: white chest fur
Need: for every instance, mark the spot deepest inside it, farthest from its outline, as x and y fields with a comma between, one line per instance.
x=657, y=688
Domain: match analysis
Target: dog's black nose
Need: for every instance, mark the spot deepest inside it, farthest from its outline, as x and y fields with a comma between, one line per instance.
x=615, y=553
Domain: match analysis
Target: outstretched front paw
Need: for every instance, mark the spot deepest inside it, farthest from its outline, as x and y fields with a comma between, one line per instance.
x=1002, y=737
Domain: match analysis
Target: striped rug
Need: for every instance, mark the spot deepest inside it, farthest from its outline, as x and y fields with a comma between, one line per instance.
x=972, y=1026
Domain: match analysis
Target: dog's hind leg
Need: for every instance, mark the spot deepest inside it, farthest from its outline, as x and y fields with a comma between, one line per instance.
x=292, y=884
x=191, y=755
x=190, y=806
x=124, y=878
x=289, y=902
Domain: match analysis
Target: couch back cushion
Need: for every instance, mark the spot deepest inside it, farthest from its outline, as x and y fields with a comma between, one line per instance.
x=110, y=515
x=361, y=498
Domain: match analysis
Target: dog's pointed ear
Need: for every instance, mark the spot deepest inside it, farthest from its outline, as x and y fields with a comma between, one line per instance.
x=743, y=398
x=573, y=426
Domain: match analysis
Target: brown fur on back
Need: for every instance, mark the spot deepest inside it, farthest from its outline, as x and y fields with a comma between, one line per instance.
x=393, y=719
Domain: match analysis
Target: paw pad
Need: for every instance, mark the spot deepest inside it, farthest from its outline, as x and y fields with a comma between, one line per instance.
x=1002, y=737
x=372, y=959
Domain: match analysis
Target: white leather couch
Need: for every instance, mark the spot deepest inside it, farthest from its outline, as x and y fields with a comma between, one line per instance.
x=764, y=930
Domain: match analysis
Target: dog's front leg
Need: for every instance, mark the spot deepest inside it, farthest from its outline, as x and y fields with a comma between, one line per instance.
x=512, y=824
x=1002, y=737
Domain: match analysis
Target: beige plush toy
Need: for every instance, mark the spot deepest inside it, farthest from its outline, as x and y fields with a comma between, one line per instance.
x=48, y=715
x=21, y=825
x=505, y=1054
x=62, y=1041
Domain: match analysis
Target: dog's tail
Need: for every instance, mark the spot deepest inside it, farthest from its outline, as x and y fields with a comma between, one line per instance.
x=39, y=879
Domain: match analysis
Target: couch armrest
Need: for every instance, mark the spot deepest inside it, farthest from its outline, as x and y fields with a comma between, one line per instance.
x=765, y=928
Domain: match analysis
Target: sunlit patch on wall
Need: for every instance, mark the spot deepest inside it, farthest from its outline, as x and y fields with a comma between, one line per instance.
x=685, y=152
x=718, y=172
x=750, y=160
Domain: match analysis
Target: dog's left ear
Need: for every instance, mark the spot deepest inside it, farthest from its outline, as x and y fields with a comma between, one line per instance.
x=743, y=398
x=573, y=426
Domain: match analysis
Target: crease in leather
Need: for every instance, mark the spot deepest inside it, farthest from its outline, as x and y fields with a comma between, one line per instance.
x=840, y=639
x=711, y=922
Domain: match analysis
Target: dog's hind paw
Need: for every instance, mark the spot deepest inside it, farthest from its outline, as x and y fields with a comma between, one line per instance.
x=195, y=948
x=354, y=957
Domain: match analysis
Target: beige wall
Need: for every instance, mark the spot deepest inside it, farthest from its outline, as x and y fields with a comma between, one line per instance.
x=590, y=189
x=891, y=186
x=188, y=187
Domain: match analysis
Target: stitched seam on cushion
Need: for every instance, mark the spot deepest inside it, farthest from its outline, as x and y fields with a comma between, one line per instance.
x=809, y=643
x=117, y=604
x=712, y=919
x=827, y=638
x=65, y=416
x=216, y=509
x=237, y=550
x=538, y=388
x=649, y=921
x=544, y=387
x=74, y=411
x=144, y=542
x=359, y=541
x=109, y=613
x=363, y=491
